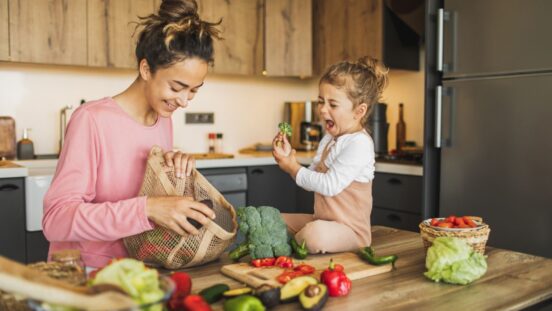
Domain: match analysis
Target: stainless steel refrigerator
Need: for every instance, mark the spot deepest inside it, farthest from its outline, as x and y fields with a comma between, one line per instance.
x=488, y=117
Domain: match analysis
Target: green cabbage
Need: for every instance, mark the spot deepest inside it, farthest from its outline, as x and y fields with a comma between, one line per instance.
x=140, y=282
x=453, y=261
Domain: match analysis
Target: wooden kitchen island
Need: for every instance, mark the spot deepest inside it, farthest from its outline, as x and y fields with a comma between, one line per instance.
x=513, y=281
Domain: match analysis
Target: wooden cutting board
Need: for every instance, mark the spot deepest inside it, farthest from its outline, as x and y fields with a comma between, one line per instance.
x=355, y=268
x=7, y=137
x=209, y=156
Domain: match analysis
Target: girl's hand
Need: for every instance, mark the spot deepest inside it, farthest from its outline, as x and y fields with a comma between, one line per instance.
x=281, y=146
x=183, y=163
x=173, y=212
x=285, y=155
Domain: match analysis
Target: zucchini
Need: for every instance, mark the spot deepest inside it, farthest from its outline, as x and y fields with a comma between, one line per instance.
x=214, y=293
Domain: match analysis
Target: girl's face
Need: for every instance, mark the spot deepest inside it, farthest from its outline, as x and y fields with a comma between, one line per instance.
x=336, y=110
x=173, y=87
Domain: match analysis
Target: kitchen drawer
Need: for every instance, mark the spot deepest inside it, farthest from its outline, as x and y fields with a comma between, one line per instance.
x=398, y=192
x=227, y=180
x=12, y=214
x=394, y=219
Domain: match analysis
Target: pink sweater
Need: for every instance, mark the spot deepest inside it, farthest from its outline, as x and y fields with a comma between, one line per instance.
x=92, y=203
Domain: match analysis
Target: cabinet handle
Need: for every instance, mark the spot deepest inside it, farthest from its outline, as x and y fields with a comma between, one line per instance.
x=9, y=187
x=257, y=171
x=394, y=181
x=394, y=218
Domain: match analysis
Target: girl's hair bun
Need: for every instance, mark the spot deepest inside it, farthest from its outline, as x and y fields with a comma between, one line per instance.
x=173, y=11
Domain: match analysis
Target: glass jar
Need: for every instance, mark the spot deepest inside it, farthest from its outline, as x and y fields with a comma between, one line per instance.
x=218, y=143
x=71, y=260
x=212, y=137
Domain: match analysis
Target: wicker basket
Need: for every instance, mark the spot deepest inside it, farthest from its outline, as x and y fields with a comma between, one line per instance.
x=475, y=237
x=55, y=270
x=163, y=247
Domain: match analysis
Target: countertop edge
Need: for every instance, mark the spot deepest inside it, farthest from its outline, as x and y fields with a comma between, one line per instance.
x=46, y=167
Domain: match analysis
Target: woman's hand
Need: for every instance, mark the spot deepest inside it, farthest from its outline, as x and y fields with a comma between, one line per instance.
x=183, y=163
x=285, y=155
x=173, y=212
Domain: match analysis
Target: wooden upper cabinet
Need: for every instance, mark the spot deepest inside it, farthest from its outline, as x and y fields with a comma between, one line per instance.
x=48, y=31
x=111, y=25
x=346, y=30
x=288, y=38
x=4, y=34
x=241, y=51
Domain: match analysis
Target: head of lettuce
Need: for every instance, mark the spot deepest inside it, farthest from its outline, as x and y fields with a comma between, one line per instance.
x=453, y=261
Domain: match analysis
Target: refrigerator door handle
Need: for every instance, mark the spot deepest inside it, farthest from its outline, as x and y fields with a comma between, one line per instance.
x=438, y=115
x=440, y=25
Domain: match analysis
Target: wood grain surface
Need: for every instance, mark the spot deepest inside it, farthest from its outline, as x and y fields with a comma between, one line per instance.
x=513, y=281
x=7, y=137
x=356, y=269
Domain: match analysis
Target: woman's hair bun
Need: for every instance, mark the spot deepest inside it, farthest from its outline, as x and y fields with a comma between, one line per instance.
x=175, y=10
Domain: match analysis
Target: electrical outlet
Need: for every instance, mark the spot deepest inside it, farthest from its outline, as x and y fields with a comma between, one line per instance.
x=200, y=118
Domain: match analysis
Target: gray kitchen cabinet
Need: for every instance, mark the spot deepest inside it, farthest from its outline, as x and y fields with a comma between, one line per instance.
x=12, y=215
x=230, y=182
x=397, y=201
x=269, y=185
x=36, y=247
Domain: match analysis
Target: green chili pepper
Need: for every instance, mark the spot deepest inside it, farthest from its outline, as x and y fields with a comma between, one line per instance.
x=300, y=251
x=239, y=252
x=367, y=253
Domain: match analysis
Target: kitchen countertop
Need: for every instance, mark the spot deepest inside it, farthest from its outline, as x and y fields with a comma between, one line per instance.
x=513, y=281
x=9, y=169
x=47, y=167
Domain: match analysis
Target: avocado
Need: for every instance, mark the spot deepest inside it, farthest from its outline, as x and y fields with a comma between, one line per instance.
x=291, y=290
x=314, y=297
x=270, y=296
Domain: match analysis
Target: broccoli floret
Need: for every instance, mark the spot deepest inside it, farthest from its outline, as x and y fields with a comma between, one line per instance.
x=285, y=128
x=265, y=232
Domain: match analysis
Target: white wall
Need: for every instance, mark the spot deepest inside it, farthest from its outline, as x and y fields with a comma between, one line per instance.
x=247, y=109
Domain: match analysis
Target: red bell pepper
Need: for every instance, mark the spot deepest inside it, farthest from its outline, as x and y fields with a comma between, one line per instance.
x=284, y=262
x=337, y=281
x=263, y=262
x=183, y=284
x=195, y=303
x=304, y=269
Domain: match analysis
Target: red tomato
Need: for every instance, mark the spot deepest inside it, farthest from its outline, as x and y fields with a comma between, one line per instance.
x=445, y=225
x=458, y=221
x=263, y=262
x=469, y=222
x=434, y=221
x=450, y=219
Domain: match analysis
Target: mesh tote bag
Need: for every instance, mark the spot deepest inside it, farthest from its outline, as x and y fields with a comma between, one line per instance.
x=163, y=247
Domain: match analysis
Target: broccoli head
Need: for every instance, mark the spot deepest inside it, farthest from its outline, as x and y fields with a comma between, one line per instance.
x=265, y=232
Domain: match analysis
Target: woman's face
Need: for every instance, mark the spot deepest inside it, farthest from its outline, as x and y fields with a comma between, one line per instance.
x=173, y=87
x=336, y=110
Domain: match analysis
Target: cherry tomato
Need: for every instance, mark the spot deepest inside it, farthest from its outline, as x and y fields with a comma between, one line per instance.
x=304, y=268
x=445, y=225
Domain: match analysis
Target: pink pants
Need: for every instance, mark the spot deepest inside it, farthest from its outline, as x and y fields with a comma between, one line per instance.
x=322, y=236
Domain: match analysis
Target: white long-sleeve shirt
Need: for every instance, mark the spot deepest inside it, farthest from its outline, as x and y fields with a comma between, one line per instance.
x=351, y=158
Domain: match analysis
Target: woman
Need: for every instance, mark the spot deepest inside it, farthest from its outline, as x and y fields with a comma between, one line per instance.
x=92, y=203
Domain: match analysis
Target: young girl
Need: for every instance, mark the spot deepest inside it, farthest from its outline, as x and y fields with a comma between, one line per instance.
x=92, y=202
x=343, y=169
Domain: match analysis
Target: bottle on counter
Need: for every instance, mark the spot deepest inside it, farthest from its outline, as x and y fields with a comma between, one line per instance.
x=212, y=138
x=25, y=147
x=401, y=129
x=218, y=143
